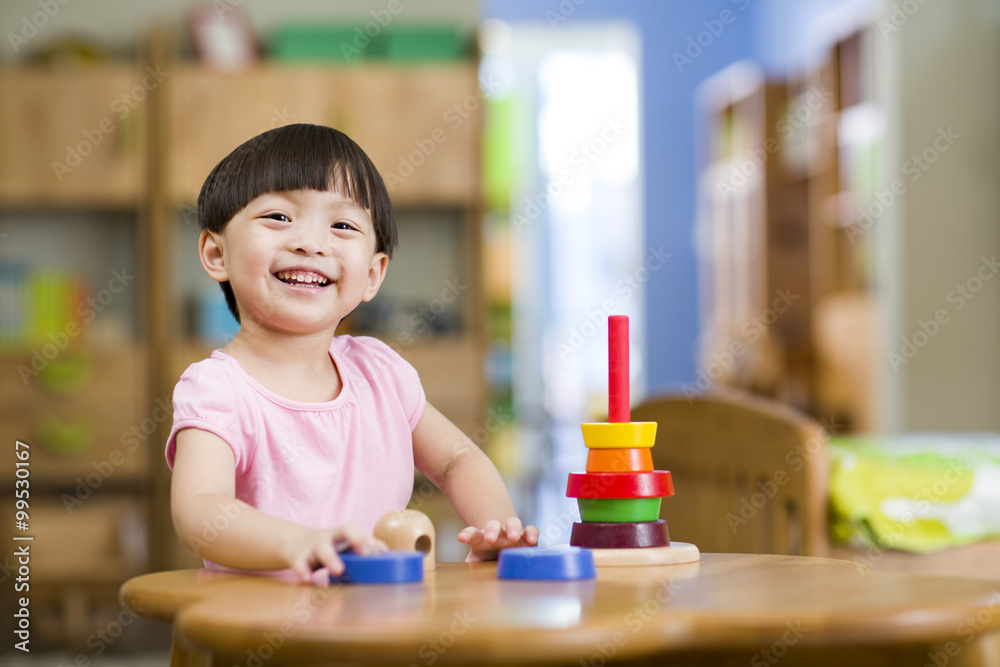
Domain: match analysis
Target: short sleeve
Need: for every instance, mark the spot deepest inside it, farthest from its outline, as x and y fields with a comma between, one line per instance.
x=399, y=375
x=207, y=398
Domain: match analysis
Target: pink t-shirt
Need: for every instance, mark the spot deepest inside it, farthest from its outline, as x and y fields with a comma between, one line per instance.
x=316, y=464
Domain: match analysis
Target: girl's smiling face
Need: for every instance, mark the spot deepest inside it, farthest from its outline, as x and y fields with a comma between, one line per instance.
x=298, y=261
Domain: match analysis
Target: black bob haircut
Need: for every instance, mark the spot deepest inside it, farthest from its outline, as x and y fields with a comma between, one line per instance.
x=295, y=157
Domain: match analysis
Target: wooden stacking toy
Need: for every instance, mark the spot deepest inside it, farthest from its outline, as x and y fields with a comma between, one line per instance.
x=620, y=494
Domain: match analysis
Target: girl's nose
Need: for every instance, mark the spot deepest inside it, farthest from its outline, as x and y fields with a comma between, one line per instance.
x=310, y=247
x=309, y=242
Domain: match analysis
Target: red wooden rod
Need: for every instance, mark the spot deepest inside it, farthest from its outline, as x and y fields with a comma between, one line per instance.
x=618, y=386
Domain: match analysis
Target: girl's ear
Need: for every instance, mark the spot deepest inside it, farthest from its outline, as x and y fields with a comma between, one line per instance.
x=210, y=251
x=376, y=274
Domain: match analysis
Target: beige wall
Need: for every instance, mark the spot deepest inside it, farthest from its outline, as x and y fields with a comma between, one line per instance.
x=119, y=22
x=940, y=70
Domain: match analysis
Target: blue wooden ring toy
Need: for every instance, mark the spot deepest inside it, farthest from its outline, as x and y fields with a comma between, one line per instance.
x=548, y=564
x=388, y=567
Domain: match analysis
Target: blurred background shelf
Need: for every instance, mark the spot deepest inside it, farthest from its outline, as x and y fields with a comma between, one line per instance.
x=110, y=157
x=72, y=138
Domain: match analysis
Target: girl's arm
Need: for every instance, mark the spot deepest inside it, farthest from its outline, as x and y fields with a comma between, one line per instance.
x=216, y=526
x=470, y=480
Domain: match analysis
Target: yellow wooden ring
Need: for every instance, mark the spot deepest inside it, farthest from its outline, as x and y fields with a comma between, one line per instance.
x=612, y=435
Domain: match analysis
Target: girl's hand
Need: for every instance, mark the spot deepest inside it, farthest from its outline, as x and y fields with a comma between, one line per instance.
x=484, y=544
x=315, y=549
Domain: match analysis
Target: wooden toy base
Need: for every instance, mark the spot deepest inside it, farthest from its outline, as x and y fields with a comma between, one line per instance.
x=677, y=553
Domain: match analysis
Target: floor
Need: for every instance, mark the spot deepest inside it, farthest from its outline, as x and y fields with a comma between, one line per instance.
x=143, y=644
x=151, y=659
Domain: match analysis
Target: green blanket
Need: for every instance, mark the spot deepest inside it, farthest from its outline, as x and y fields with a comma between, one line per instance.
x=921, y=492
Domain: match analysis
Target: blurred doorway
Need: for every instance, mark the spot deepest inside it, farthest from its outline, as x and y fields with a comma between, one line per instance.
x=564, y=188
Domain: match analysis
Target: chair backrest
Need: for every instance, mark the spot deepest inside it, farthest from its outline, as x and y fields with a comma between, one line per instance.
x=749, y=473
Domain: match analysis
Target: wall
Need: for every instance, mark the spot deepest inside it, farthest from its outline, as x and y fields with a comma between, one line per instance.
x=945, y=68
x=669, y=148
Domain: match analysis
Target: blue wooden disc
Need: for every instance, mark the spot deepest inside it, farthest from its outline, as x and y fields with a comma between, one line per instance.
x=388, y=567
x=549, y=564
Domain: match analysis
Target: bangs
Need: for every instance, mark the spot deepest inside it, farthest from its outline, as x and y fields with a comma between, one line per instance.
x=297, y=157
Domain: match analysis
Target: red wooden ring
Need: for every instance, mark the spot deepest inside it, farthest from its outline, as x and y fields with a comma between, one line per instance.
x=655, y=484
x=637, y=535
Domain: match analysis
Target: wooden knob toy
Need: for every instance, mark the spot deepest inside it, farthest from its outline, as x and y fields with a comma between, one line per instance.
x=620, y=493
x=408, y=530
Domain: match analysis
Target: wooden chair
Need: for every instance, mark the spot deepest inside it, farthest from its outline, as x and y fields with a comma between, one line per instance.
x=749, y=473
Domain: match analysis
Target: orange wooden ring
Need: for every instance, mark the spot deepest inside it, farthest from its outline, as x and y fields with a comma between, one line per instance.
x=632, y=459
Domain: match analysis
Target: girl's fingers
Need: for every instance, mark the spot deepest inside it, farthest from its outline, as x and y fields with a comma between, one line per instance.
x=492, y=531
x=301, y=567
x=327, y=557
x=514, y=529
x=530, y=535
x=349, y=536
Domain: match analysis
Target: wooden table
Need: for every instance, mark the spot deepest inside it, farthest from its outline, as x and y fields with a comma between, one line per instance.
x=728, y=609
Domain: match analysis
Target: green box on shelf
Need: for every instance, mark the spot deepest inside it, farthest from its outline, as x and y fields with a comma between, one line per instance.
x=324, y=43
x=425, y=43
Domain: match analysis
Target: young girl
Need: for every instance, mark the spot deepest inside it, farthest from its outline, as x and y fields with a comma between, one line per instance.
x=289, y=443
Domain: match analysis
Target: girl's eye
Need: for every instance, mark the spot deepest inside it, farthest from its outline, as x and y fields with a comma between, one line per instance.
x=342, y=225
x=280, y=217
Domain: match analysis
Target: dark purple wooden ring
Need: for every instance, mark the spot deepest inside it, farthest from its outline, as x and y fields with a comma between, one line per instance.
x=608, y=535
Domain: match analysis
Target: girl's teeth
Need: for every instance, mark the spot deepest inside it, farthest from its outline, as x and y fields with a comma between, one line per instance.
x=307, y=278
